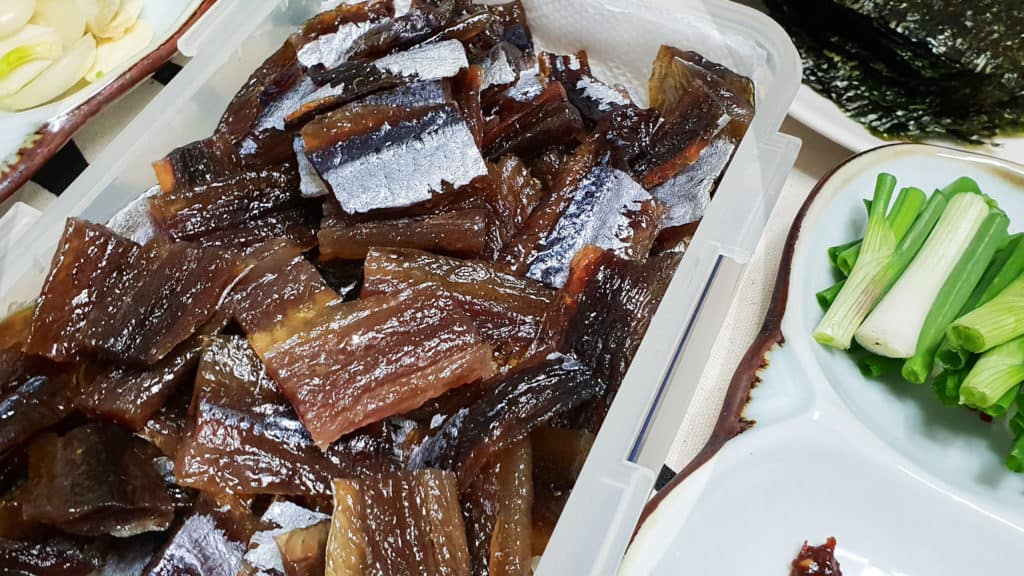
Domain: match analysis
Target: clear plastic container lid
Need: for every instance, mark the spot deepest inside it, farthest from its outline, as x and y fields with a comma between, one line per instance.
x=622, y=38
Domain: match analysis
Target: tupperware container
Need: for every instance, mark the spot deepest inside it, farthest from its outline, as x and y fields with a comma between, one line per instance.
x=622, y=38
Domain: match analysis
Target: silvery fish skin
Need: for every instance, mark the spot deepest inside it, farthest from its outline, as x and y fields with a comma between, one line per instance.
x=134, y=221
x=397, y=166
x=273, y=117
x=411, y=95
x=688, y=194
x=600, y=213
x=499, y=69
x=356, y=80
x=331, y=49
x=311, y=185
x=432, y=61
x=281, y=517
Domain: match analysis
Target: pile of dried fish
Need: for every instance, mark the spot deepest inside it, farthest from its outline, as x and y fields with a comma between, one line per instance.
x=371, y=324
x=913, y=69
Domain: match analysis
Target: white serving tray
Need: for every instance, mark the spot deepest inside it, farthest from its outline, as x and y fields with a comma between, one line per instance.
x=908, y=486
x=622, y=37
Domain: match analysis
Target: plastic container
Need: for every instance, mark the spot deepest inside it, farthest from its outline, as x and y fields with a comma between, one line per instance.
x=622, y=37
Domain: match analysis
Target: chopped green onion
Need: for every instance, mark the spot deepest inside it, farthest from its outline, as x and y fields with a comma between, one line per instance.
x=872, y=366
x=997, y=372
x=1003, y=405
x=1015, y=460
x=893, y=327
x=1017, y=421
x=947, y=387
x=1004, y=268
x=904, y=211
x=998, y=321
x=835, y=251
x=955, y=292
x=827, y=296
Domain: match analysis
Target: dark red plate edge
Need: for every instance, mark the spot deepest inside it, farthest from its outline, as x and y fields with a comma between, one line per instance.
x=33, y=157
x=731, y=422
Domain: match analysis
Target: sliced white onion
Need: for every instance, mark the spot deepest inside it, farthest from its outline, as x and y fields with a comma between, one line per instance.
x=22, y=75
x=99, y=23
x=66, y=16
x=126, y=17
x=57, y=78
x=112, y=53
x=14, y=14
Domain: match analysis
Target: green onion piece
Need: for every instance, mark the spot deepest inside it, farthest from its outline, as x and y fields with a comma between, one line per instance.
x=962, y=184
x=1017, y=421
x=904, y=211
x=1007, y=264
x=872, y=366
x=835, y=251
x=1015, y=460
x=827, y=296
x=949, y=357
x=996, y=322
x=1003, y=405
x=998, y=371
x=27, y=53
x=955, y=292
x=868, y=282
x=947, y=387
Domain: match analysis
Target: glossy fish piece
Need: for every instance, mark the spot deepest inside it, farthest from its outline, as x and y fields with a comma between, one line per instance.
x=209, y=542
x=346, y=365
x=358, y=80
x=132, y=396
x=461, y=233
x=134, y=221
x=500, y=67
x=59, y=556
x=311, y=185
x=558, y=458
x=190, y=213
x=466, y=90
x=402, y=32
x=280, y=280
x=515, y=27
x=517, y=403
x=304, y=550
x=281, y=519
x=497, y=509
x=15, y=330
x=592, y=204
x=96, y=479
x=244, y=439
x=398, y=524
x=688, y=194
x=197, y=163
x=594, y=99
x=167, y=427
x=157, y=300
x=296, y=223
x=549, y=164
x=547, y=120
x=243, y=113
x=36, y=395
x=326, y=38
x=377, y=157
x=681, y=79
x=88, y=254
x=507, y=310
x=616, y=300
x=511, y=195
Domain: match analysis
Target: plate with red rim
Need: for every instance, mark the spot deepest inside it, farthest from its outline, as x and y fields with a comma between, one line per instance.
x=31, y=137
x=808, y=448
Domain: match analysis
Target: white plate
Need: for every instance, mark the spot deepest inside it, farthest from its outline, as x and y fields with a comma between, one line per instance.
x=824, y=117
x=908, y=486
x=165, y=17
